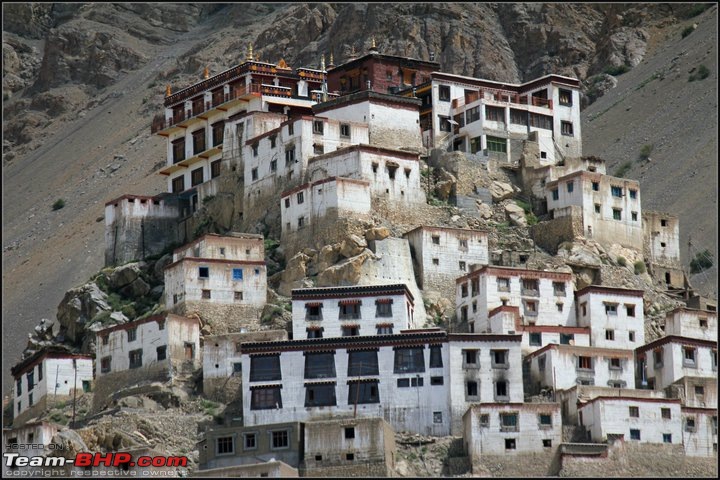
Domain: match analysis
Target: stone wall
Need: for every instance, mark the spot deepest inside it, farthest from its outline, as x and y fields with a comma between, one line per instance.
x=366, y=469
x=525, y=465
x=218, y=319
x=108, y=387
x=326, y=230
x=627, y=459
x=224, y=389
x=552, y=233
x=128, y=238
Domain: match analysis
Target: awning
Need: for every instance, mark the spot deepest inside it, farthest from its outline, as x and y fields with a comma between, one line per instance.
x=363, y=380
x=383, y=325
x=313, y=304
x=322, y=382
x=349, y=302
x=257, y=387
x=350, y=325
x=383, y=300
x=314, y=327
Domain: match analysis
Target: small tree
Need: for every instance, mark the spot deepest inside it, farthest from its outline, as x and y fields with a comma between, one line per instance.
x=639, y=267
x=702, y=261
x=621, y=261
x=59, y=203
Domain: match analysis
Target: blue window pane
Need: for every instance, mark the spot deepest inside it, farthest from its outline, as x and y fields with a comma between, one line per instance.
x=237, y=274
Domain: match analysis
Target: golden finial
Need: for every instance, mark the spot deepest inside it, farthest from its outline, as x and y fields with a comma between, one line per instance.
x=332, y=61
x=206, y=73
x=322, y=62
x=257, y=57
x=168, y=91
x=373, y=43
x=282, y=63
x=250, y=53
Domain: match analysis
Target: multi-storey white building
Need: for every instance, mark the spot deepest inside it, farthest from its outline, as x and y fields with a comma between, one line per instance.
x=700, y=431
x=29, y=440
x=421, y=381
x=441, y=254
x=511, y=429
x=544, y=298
x=50, y=375
x=350, y=311
x=609, y=206
x=692, y=323
x=615, y=316
x=641, y=419
x=670, y=358
x=477, y=115
x=224, y=277
x=559, y=367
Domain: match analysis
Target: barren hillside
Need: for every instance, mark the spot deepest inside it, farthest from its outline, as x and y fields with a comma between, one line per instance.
x=81, y=83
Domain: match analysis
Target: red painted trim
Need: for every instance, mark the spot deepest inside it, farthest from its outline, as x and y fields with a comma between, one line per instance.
x=706, y=411
x=166, y=317
x=216, y=260
x=387, y=152
x=245, y=236
x=515, y=272
x=676, y=339
x=30, y=363
x=618, y=291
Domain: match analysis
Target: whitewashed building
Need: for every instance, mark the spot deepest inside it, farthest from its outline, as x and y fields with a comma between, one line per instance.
x=559, y=367
x=441, y=254
x=544, y=298
x=224, y=277
x=639, y=419
x=670, y=358
x=615, y=316
x=574, y=397
x=494, y=117
x=353, y=310
x=691, y=323
x=419, y=381
x=511, y=429
x=609, y=207
x=700, y=431
x=30, y=439
x=662, y=248
x=50, y=375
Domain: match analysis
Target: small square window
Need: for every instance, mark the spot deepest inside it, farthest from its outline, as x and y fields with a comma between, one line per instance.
x=318, y=458
x=609, y=334
x=535, y=339
x=132, y=334
x=350, y=457
x=206, y=294
x=510, y=444
x=570, y=186
x=617, y=214
x=437, y=380
x=597, y=208
x=667, y=437
x=690, y=424
x=287, y=203
x=237, y=274
x=485, y=420
x=547, y=443
x=596, y=186
x=203, y=272
x=462, y=266
x=349, y=432
x=437, y=417
x=633, y=193
x=237, y=296
x=703, y=322
x=699, y=390
x=615, y=364
x=436, y=261
x=630, y=310
x=403, y=382
x=631, y=336
x=634, y=216
x=545, y=419
x=666, y=413
x=472, y=389
x=250, y=441
x=634, y=412
x=634, y=434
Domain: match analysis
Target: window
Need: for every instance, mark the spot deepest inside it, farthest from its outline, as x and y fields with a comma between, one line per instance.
x=318, y=149
x=634, y=434
x=254, y=173
x=566, y=128
x=313, y=311
x=518, y=117
x=436, y=261
x=273, y=165
x=350, y=330
x=345, y=130
x=555, y=194
x=615, y=364
x=301, y=222
x=375, y=167
x=300, y=198
x=634, y=412
x=570, y=186
x=105, y=365
x=690, y=424
x=500, y=358
x=255, y=149
x=596, y=186
x=314, y=332
x=178, y=147
x=565, y=97
x=349, y=310
x=444, y=93
x=611, y=309
x=403, y=382
x=689, y=354
x=437, y=380
x=31, y=379
x=287, y=203
x=196, y=177
x=713, y=354
x=136, y=358
x=530, y=308
x=319, y=365
x=215, y=168
x=265, y=367
x=464, y=290
x=484, y=420
x=472, y=115
x=409, y=360
x=280, y=439
x=609, y=334
x=508, y=422
x=224, y=445
x=198, y=141
x=40, y=371
x=616, y=191
x=699, y=390
x=132, y=334
x=318, y=126
x=205, y=294
x=289, y=156
x=383, y=307
x=237, y=274
x=250, y=441
x=559, y=289
x=349, y=432
x=665, y=413
x=320, y=395
x=362, y=362
x=237, y=369
x=462, y=266
x=535, y=339
x=585, y=363
x=529, y=287
x=264, y=398
x=291, y=129
x=541, y=121
x=545, y=420
x=633, y=193
x=436, y=356
x=472, y=389
x=703, y=322
x=470, y=357
x=565, y=338
x=161, y=353
x=617, y=214
x=203, y=272
x=494, y=114
x=630, y=310
x=503, y=284
x=363, y=392
x=510, y=444
x=631, y=336
x=667, y=437
x=417, y=381
x=658, y=358
x=384, y=329
x=496, y=144
x=501, y=390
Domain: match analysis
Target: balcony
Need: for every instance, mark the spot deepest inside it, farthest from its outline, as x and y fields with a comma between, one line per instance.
x=530, y=292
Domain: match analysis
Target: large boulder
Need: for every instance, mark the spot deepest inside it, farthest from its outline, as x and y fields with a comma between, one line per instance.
x=501, y=191
x=328, y=256
x=347, y=272
x=515, y=214
x=78, y=307
x=485, y=211
x=377, y=233
x=159, y=267
x=125, y=275
x=138, y=288
x=352, y=245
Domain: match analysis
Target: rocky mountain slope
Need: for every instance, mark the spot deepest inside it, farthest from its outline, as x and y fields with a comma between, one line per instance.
x=81, y=83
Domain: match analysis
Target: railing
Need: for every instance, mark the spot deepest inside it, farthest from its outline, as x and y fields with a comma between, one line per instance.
x=502, y=96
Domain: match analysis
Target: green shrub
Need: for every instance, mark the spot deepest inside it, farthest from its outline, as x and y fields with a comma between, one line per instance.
x=615, y=71
x=621, y=261
x=129, y=311
x=271, y=244
x=623, y=169
x=702, y=73
x=525, y=205
x=687, y=31
x=702, y=261
x=59, y=203
x=208, y=198
x=639, y=267
x=531, y=219
x=645, y=151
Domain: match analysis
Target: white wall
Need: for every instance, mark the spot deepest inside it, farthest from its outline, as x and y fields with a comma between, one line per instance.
x=673, y=367
x=620, y=323
x=699, y=443
x=686, y=323
x=245, y=247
